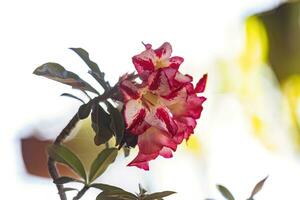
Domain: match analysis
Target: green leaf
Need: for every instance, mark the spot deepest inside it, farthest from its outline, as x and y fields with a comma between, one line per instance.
x=101, y=125
x=158, y=195
x=58, y=73
x=117, y=123
x=65, y=179
x=72, y=96
x=84, y=110
x=84, y=55
x=258, y=187
x=116, y=195
x=225, y=192
x=95, y=71
x=109, y=192
x=101, y=163
x=63, y=155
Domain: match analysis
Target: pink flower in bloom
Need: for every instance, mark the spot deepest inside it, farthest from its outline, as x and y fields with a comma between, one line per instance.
x=162, y=110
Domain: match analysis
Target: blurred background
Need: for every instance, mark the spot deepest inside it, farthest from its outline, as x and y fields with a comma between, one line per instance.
x=250, y=126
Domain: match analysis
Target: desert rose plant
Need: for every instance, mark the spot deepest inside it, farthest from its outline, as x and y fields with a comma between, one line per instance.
x=154, y=108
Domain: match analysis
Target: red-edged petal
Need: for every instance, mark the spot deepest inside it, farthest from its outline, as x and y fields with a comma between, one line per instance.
x=166, y=152
x=141, y=165
x=142, y=160
x=160, y=117
x=129, y=90
x=164, y=51
x=194, y=106
x=186, y=126
x=164, y=115
x=140, y=128
x=200, y=86
x=175, y=62
x=152, y=143
x=180, y=78
x=134, y=113
x=153, y=140
x=185, y=104
x=160, y=81
x=144, y=63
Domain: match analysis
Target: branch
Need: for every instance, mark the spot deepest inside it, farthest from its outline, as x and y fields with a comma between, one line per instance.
x=66, y=132
x=51, y=163
x=81, y=193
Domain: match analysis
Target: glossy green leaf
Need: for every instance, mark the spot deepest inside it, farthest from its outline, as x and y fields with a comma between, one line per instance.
x=58, y=73
x=105, y=187
x=101, y=125
x=110, y=192
x=117, y=123
x=225, y=192
x=84, y=110
x=65, y=179
x=116, y=195
x=95, y=71
x=63, y=155
x=258, y=187
x=158, y=195
x=84, y=55
x=72, y=96
x=101, y=163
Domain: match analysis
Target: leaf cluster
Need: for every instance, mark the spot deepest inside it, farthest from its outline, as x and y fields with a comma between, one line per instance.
x=106, y=157
x=107, y=121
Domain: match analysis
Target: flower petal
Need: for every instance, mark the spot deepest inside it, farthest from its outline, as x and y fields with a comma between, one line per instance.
x=175, y=62
x=186, y=127
x=160, y=81
x=129, y=90
x=144, y=63
x=200, y=86
x=134, y=113
x=153, y=140
x=185, y=104
x=164, y=115
x=160, y=117
x=180, y=78
x=164, y=51
x=166, y=152
x=142, y=160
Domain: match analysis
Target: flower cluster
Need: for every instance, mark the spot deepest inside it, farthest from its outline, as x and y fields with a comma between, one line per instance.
x=161, y=109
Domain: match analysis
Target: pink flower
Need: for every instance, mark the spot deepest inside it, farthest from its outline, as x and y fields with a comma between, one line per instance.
x=162, y=110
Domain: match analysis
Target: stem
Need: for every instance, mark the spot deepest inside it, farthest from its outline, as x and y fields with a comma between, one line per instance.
x=65, y=133
x=81, y=192
x=51, y=163
x=54, y=175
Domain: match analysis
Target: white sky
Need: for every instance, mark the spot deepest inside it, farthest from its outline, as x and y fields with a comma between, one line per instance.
x=35, y=32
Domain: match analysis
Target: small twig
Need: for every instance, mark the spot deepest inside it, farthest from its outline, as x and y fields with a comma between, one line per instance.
x=81, y=192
